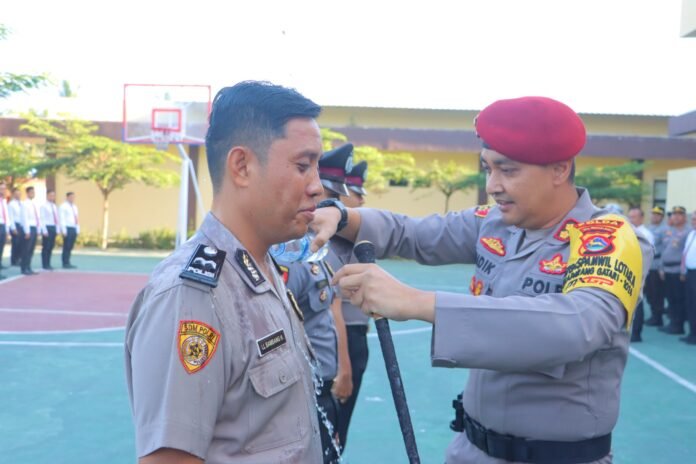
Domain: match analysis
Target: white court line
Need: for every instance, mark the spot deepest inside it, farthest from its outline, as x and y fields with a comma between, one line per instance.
x=62, y=344
x=405, y=332
x=10, y=279
x=58, y=311
x=54, y=332
x=663, y=370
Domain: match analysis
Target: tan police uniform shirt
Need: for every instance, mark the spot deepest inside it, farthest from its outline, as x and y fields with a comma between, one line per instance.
x=544, y=365
x=220, y=372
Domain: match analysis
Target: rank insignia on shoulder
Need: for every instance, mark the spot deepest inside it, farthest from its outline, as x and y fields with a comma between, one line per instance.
x=197, y=344
x=249, y=267
x=271, y=342
x=562, y=234
x=554, y=266
x=481, y=211
x=295, y=306
x=205, y=265
x=494, y=245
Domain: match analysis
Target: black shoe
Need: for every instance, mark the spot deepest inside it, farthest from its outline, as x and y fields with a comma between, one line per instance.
x=48, y=268
x=69, y=266
x=29, y=272
x=636, y=339
x=654, y=322
x=671, y=330
x=689, y=340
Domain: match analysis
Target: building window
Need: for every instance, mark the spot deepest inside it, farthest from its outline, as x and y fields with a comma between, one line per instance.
x=660, y=193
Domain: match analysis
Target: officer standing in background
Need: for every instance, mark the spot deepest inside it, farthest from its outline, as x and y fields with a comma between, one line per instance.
x=671, y=246
x=320, y=306
x=4, y=221
x=356, y=321
x=689, y=273
x=217, y=361
x=654, y=285
x=635, y=216
x=31, y=224
x=546, y=329
x=50, y=225
x=70, y=228
x=16, y=210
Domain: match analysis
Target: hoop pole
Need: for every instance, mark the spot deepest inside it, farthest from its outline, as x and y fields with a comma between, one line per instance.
x=181, y=231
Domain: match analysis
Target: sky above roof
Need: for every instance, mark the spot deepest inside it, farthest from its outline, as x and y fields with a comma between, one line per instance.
x=598, y=56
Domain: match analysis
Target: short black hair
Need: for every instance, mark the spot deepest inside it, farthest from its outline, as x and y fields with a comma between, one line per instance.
x=637, y=208
x=29, y=189
x=251, y=114
x=68, y=194
x=50, y=191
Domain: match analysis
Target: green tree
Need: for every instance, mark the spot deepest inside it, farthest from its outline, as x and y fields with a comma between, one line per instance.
x=109, y=164
x=448, y=179
x=613, y=183
x=20, y=161
x=12, y=83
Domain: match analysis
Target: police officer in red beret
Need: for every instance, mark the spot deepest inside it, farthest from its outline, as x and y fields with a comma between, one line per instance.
x=546, y=328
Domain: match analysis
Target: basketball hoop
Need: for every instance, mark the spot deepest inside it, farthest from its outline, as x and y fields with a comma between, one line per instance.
x=161, y=138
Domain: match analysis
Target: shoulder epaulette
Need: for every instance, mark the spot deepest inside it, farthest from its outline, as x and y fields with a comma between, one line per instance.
x=205, y=265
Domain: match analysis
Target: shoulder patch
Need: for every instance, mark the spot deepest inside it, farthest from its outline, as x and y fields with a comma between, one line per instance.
x=481, y=211
x=205, y=265
x=555, y=265
x=562, y=232
x=197, y=344
x=249, y=267
x=494, y=245
x=605, y=254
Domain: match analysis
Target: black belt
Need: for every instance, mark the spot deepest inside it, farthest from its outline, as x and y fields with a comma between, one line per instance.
x=511, y=448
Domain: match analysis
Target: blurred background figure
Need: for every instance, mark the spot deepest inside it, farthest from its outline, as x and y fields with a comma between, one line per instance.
x=49, y=229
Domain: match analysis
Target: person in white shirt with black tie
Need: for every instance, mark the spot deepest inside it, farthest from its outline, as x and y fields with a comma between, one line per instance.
x=70, y=227
x=31, y=225
x=688, y=272
x=4, y=221
x=14, y=206
x=50, y=224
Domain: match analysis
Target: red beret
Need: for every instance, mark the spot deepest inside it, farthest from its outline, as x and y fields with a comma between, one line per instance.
x=534, y=130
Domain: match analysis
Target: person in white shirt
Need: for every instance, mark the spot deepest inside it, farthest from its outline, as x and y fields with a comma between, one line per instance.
x=49, y=228
x=635, y=216
x=32, y=226
x=16, y=228
x=70, y=227
x=4, y=221
x=689, y=273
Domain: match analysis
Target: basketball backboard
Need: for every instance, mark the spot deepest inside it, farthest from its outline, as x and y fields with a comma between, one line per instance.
x=163, y=114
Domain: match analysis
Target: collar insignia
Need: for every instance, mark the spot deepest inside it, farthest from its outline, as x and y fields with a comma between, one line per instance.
x=562, y=233
x=295, y=306
x=249, y=267
x=205, y=265
x=554, y=266
x=494, y=245
x=475, y=286
x=481, y=211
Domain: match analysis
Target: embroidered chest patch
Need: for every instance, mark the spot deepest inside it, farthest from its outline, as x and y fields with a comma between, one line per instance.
x=562, y=232
x=271, y=342
x=197, y=344
x=494, y=245
x=555, y=265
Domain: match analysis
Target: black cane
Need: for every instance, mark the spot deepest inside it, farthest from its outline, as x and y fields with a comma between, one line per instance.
x=365, y=252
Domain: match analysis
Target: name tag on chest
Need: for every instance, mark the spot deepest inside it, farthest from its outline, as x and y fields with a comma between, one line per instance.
x=271, y=342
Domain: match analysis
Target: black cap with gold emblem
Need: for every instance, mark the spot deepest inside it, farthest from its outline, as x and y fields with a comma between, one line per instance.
x=333, y=167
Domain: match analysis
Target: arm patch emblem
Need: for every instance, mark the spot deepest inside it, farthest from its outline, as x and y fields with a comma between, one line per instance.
x=605, y=254
x=197, y=344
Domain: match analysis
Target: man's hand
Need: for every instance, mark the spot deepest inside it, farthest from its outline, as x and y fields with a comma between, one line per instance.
x=27, y=236
x=377, y=293
x=682, y=277
x=324, y=226
x=343, y=385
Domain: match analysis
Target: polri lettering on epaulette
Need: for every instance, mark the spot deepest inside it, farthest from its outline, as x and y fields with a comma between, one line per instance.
x=205, y=265
x=295, y=306
x=249, y=267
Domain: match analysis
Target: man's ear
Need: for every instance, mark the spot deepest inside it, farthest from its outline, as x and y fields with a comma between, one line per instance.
x=239, y=165
x=562, y=171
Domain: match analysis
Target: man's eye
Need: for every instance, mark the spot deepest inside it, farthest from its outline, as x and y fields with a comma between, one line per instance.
x=303, y=167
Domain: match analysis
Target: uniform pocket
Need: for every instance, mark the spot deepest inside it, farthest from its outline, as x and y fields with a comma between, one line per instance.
x=272, y=377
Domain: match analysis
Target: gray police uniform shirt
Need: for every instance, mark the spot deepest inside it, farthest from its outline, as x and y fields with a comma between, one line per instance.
x=311, y=285
x=658, y=232
x=544, y=365
x=672, y=244
x=221, y=373
x=340, y=255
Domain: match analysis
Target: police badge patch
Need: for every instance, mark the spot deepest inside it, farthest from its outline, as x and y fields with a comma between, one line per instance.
x=197, y=344
x=494, y=245
x=205, y=265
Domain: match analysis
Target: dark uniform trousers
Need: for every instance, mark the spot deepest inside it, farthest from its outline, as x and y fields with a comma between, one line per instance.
x=327, y=402
x=47, y=246
x=676, y=293
x=358, y=353
x=691, y=301
x=68, y=243
x=3, y=238
x=17, y=245
x=638, y=319
x=655, y=294
x=28, y=251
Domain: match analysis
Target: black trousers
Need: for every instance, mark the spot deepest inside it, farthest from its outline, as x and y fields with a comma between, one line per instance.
x=655, y=293
x=638, y=318
x=3, y=238
x=691, y=300
x=358, y=353
x=17, y=245
x=28, y=251
x=68, y=244
x=676, y=294
x=328, y=403
x=47, y=244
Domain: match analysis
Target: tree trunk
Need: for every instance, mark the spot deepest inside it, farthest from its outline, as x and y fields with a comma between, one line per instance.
x=447, y=199
x=105, y=222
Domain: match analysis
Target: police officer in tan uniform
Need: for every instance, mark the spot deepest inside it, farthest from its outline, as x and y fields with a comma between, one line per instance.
x=217, y=361
x=546, y=329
